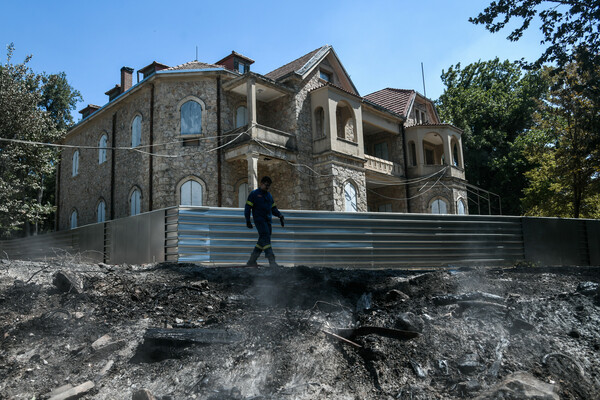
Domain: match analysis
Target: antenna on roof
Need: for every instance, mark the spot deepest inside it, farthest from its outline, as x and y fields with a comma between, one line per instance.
x=196, y=53
x=423, y=75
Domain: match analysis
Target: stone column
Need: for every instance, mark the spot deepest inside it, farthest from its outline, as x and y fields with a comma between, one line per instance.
x=252, y=171
x=251, y=101
x=420, y=154
x=447, y=149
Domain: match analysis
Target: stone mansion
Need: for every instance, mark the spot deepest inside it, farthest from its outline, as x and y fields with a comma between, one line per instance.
x=203, y=134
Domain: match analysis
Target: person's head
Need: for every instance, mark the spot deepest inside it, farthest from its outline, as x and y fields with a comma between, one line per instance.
x=265, y=183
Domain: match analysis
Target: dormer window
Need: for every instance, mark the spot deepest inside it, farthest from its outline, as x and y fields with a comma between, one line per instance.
x=420, y=117
x=326, y=76
x=241, y=67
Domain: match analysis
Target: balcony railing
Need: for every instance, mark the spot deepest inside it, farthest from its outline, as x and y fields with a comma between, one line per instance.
x=382, y=166
x=429, y=169
x=263, y=134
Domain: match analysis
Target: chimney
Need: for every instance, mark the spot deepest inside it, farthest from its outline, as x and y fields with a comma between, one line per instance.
x=126, y=79
x=89, y=110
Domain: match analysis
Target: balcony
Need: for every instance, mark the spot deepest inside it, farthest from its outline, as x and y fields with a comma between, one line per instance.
x=239, y=140
x=430, y=169
x=382, y=166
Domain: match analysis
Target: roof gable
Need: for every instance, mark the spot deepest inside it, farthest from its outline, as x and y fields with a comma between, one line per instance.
x=306, y=64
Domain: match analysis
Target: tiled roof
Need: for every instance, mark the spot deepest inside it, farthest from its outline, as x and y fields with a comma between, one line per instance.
x=337, y=87
x=396, y=100
x=293, y=66
x=194, y=65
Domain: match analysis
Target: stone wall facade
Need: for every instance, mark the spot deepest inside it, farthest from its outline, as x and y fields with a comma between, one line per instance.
x=303, y=178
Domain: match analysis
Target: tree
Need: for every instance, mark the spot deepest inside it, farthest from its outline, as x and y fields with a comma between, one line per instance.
x=31, y=110
x=493, y=102
x=571, y=28
x=563, y=147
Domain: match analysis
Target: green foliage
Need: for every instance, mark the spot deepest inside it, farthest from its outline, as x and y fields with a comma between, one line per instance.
x=31, y=109
x=564, y=148
x=571, y=28
x=493, y=102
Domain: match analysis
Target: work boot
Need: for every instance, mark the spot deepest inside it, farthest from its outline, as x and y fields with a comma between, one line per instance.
x=253, y=257
x=272, y=263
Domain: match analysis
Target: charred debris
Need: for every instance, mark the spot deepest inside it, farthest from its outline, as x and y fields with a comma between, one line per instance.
x=70, y=329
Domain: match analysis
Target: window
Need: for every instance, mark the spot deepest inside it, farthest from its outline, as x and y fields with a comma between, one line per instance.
x=345, y=122
x=242, y=195
x=350, y=197
x=191, y=118
x=429, y=157
x=455, y=155
x=439, y=206
x=73, y=219
x=101, y=211
x=75, y=170
x=190, y=193
x=326, y=76
x=135, y=201
x=460, y=207
x=102, y=149
x=240, y=67
x=319, y=123
x=241, y=116
x=413, y=154
x=385, y=207
x=381, y=151
x=136, y=131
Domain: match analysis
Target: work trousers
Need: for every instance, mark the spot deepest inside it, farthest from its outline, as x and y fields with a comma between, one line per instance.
x=264, y=237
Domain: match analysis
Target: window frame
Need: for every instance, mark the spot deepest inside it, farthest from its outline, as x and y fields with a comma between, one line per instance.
x=102, y=203
x=191, y=181
x=200, y=104
x=436, y=201
x=75, y=164
x=348, y=206
x=102, y=149
x=74, y=214
x=137, y=117
x=132, y=210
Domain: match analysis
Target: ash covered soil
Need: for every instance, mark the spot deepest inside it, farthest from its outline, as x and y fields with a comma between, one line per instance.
x=182, y=331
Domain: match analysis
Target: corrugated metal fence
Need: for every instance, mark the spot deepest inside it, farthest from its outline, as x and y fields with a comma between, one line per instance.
x=218, y=236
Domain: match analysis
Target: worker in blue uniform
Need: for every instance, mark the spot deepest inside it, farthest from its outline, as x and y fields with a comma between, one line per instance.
x=261, y=204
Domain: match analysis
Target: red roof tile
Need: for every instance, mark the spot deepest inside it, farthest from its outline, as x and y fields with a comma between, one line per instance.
x=395, y=100
x=292, y=66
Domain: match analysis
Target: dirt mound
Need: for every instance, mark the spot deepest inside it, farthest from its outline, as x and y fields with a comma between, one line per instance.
x=188, y=332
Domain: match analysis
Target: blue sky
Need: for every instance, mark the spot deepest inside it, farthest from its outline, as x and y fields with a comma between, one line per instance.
x=380, y=43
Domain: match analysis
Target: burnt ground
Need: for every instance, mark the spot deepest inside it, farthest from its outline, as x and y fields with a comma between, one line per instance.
x=261, y=333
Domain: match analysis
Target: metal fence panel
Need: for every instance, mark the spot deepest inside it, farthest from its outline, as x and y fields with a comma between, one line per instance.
x=555, y=241
x=220, y=236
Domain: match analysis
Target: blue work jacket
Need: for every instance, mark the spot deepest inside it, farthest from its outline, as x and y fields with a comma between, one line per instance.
x=262, y=205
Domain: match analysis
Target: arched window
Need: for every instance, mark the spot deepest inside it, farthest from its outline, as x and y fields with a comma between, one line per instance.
x=190, y=193
x=75, y=170
x=241, y=117
x=455, y=154
x=101, y=211
x=191, y=118
x=242, y=195
x=73, y=219
x=319, y=123
x=102, y=149
x=345, y=122
x=439, y=206
x=461, y=209
x=136, y=131
x=350, y=202
x=135, y=202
